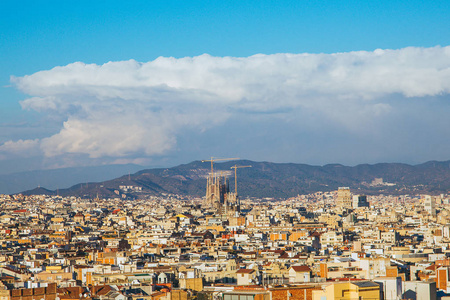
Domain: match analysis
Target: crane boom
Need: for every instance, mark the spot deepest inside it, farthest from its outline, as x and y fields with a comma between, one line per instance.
x=213, y=159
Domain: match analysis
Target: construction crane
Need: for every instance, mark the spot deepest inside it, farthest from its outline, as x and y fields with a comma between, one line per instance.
x=213, y=159
x=235, y=167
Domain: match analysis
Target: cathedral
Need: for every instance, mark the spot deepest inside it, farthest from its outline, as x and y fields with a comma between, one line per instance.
x=218, y=196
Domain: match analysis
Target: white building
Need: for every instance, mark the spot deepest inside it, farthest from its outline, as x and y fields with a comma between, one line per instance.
x=430, y=205
x=391, y=287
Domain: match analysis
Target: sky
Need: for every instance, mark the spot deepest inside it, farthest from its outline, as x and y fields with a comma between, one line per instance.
x=159, y=83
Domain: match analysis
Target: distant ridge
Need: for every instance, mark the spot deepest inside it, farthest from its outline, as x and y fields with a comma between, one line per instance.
x=279, y=180
x=41, y=191
x=61, y=178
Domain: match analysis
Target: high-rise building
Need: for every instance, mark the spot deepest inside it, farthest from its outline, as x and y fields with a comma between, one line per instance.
x=430, y=205
x=360, y=201
x=344, y=198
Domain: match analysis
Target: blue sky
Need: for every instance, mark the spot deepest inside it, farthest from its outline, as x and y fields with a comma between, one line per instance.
x=41, y=35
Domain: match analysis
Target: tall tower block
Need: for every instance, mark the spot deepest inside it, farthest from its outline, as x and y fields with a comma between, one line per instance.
x=344, y=198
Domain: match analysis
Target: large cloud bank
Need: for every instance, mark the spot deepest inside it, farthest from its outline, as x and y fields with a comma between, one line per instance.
x=131, y=109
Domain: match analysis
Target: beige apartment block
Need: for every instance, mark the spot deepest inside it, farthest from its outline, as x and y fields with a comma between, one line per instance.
x=344, y=198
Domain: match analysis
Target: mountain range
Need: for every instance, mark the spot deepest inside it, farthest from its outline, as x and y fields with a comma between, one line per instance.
x=54, y=179
x=272, y=180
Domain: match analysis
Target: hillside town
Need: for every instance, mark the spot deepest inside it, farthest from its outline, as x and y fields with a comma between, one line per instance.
x=321, y=246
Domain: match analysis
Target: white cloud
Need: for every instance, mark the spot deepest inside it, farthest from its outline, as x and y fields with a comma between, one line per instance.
x=126, y=108
x=23, y=148
x=410, y=71
x=113, y=135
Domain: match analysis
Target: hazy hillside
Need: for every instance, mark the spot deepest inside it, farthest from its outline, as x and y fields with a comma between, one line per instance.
x=267, y=179
x=61, y=178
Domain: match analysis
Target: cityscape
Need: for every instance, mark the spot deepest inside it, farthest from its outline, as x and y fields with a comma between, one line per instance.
x=325, y=245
